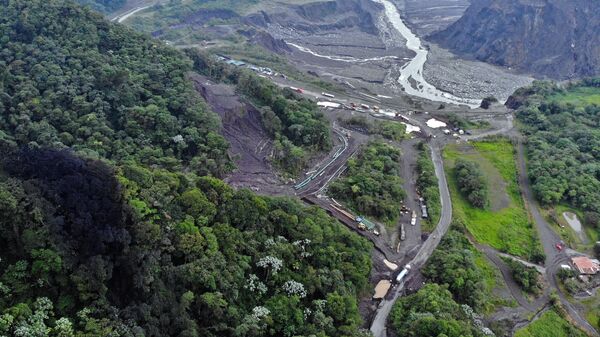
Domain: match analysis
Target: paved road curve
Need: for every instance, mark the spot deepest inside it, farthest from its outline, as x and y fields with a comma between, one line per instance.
x=378, y=327
x=547, y=237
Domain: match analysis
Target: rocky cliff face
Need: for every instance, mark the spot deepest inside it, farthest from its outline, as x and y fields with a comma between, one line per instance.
x=320, y=16
x=425, y=17
x=549, y=38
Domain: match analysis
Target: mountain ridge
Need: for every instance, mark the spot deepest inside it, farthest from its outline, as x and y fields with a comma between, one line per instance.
x=547, y=38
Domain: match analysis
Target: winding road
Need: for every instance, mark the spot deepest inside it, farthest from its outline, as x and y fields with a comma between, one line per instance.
x=122, y=17
x=412, y=80
x=412, y=73
x=378, y=326
x=548, y=238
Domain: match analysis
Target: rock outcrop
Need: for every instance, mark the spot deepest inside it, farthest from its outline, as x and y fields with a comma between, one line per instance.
x=266, y=40
x=549, y=38
x=313, y=17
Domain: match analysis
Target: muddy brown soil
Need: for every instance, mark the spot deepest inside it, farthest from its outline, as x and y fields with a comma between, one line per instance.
x=367, y=306
x=250, y=145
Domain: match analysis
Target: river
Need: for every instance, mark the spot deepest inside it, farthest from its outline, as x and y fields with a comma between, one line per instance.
x=413, y=70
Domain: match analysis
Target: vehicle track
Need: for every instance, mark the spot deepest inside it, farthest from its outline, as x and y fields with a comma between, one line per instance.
x=548, y=239
x=378, y=326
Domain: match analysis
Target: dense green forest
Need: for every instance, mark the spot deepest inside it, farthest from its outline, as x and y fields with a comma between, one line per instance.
x=296, y=123
x=113, y=220
x=526, y=277
x=449, y=305
x=471, y=182
x=169, y=254
x=453, y=264
x=371, y=184
x=104, y=6
x=69, y=79
x=562, y=126
x=391, y=130
x=433, y=312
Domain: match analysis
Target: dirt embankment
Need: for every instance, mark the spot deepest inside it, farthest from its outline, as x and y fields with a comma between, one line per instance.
x=266, y=40
x=318, y=16
x=250, y=145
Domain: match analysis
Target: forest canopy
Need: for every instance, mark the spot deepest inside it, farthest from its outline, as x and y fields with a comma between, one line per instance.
x=112, y=220
x=453, y=264
x=432, y=312
x=471, y=182
x=69, y=79
x=104, y=6
x=169, y=254
x=372, y=183
x=562, y=126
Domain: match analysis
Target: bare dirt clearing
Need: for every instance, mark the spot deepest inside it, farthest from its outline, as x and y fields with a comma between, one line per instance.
x=250, y=143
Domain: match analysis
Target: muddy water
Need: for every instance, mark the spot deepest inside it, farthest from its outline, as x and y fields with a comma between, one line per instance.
x=413, y=70
x=575, y=224
x=573, y=221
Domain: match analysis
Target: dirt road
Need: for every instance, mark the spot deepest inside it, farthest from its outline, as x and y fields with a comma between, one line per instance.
x=515, y=290
x=378, y=326
x=548, y=238
x=409, y=246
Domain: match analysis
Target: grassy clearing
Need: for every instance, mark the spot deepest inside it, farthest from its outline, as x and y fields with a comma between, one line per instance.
x=550, y=324
x=580, y=96
x=592, y=310
x=492, y=282
x=505, y=224
x=489, y=272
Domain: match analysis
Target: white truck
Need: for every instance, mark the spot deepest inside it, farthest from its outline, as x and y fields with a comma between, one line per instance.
x=402, y=233
x=327, y=95
x=403, y=273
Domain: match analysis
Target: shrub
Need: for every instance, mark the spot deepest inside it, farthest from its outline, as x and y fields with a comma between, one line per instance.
x=471, y=182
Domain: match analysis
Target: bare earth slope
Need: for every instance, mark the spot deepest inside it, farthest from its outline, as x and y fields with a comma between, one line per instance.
x=550, y=38
x=429, y=16
x=250, y=143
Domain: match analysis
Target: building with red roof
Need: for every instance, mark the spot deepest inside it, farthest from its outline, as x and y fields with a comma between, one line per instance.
x=585, y=265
